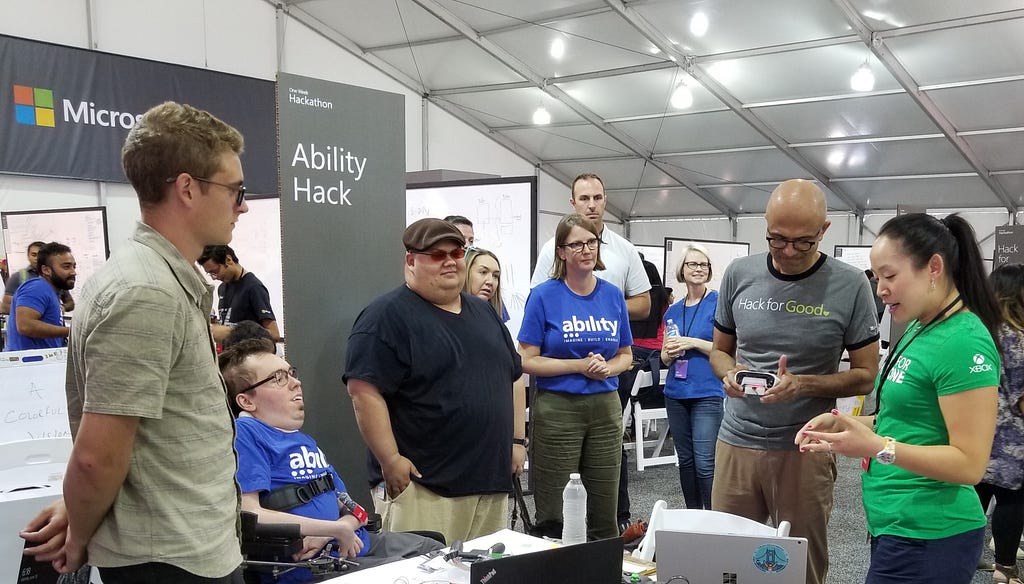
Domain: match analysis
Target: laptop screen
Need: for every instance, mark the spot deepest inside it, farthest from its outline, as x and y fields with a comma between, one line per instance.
x=728, y=558
x=596, y=562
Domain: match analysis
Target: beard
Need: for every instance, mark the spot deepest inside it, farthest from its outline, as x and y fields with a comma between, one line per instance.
x=63, y=283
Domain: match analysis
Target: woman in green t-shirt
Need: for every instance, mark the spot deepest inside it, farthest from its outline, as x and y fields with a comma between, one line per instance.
x=931, y=438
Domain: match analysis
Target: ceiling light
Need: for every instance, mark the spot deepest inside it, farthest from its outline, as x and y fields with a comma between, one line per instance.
x=541, y=117
x=836, y=158
x=699, y=24
x=724, y=72
x=557, y=48
x=654, y=50
x=682, y=97
x=863, y=79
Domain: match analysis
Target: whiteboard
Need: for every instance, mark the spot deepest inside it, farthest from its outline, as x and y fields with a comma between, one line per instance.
x=503, y=212
x=858, y=256
x=656, y=255
x=722, y=254
x=34, y=404
x=257, y=242
x=84, y=230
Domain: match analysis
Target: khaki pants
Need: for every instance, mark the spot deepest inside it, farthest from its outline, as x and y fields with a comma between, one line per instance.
x=784, y=485
x=419, y=508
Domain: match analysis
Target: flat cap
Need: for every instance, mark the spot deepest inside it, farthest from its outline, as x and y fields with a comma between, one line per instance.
x=424, y=233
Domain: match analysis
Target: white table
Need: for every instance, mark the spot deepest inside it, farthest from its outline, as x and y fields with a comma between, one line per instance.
x=515, y=543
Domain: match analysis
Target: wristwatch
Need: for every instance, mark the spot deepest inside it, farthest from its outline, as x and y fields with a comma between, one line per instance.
x=521, y=441
x=887, y=455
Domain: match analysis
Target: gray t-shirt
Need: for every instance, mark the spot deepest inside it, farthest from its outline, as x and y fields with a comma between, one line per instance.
x=810, y=318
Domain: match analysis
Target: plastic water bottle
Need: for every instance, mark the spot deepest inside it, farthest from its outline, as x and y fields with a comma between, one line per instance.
x=671, y=330
x=574, y=511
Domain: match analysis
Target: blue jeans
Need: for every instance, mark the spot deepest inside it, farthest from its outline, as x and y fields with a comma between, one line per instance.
x=694, y=424
x=904, y=560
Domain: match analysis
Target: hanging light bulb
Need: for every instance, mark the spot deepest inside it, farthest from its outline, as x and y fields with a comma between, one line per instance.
x=863, y=79
x=682, y=97
x=541, y=117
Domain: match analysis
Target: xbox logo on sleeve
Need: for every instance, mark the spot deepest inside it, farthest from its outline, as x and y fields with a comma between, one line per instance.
x=980, y=366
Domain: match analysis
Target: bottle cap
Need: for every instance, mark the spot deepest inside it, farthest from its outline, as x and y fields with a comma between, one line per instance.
x=574, y=476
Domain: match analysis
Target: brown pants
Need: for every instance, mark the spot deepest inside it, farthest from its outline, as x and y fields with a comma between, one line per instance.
x=783, y=485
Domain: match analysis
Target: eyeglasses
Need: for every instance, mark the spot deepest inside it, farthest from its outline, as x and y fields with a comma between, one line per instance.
x=440, y=255
x=239, y=190
x=798, y=244
x=577, y=246
x=279, y=378
x=697, y=265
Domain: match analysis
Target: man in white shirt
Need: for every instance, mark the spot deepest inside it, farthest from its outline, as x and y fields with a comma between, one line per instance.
x=622, y=263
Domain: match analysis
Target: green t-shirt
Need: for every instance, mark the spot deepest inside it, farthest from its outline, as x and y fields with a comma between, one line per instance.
x=954, y=355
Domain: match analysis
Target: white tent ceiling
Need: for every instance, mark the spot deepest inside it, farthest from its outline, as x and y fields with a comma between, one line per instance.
x=770, y=81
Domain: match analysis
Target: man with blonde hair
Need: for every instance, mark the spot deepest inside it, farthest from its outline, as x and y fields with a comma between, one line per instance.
x=149, y=489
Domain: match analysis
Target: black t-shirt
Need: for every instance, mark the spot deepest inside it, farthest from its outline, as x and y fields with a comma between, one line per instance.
x=447, y=380
x=245, y=299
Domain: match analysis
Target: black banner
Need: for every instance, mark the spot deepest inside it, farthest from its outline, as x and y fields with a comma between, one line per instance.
x=64, y=112
x=342, y=217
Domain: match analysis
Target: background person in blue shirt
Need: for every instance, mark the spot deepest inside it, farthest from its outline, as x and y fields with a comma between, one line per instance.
x=36, y=320
x=694, y=397
x=575, y=339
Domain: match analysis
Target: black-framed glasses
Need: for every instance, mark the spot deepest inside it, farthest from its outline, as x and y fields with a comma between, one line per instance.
x=698, y=265
x=440, y=255
x=239, y=190
x=577, y=246
x=798, y=244
x=279, y=378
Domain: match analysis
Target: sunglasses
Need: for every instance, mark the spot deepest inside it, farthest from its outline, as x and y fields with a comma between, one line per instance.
x=440, y=255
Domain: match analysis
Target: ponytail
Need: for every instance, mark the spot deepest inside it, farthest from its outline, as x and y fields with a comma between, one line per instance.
x=968, y=273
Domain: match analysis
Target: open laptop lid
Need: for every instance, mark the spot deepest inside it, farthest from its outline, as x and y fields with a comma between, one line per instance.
x=715, y=558
x=596, y=562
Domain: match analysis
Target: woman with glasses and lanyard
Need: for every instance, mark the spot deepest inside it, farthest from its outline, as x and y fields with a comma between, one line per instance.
x=694, y=397
x=930, y=440
x=575, y=340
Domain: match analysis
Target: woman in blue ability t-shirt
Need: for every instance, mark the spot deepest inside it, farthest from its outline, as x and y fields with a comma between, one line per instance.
x=575, y=340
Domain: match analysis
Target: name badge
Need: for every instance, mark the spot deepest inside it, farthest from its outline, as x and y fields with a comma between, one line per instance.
x=681, y=366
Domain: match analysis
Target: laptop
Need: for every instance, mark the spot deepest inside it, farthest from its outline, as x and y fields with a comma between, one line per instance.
x=724, y=558
x=596, y=562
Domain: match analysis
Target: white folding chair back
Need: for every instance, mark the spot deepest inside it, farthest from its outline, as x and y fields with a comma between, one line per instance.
x=700, y=520
x=644, y=419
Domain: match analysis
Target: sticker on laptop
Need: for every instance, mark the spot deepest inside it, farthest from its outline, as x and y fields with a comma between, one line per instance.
x=770, y=558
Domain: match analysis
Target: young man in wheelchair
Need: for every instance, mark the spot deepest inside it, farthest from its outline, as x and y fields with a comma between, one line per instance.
x=285, y=477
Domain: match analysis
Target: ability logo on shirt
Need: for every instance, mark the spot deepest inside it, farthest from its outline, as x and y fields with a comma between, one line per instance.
x=307, y=463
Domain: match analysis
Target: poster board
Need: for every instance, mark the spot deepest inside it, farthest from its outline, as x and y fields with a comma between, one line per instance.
x=722, y=254
x=84, y=230
x=504, y=216
x=34, y=404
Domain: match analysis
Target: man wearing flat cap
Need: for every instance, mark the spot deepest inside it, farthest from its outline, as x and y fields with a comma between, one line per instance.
x=430, y=372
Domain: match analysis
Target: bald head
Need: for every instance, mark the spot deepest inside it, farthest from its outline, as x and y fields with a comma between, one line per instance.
x=796, y=218
x=797, y=197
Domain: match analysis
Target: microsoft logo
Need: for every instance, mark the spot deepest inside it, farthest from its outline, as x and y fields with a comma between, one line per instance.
x=33, y=106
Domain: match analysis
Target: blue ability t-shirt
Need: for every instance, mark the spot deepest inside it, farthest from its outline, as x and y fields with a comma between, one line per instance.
x=697, y=321
x=269, y=458
x=566, y=325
